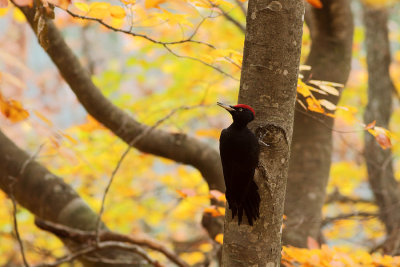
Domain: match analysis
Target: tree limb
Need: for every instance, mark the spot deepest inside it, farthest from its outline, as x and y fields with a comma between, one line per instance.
x=178, y=147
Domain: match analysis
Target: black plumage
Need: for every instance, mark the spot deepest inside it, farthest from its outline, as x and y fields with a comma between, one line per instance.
x=239, y=150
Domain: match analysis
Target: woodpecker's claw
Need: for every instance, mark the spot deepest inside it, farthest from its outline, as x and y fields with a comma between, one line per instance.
x=263, y=143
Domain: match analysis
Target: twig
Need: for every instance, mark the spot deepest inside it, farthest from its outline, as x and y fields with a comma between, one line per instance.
x=235, y=22
x=347, y=216
x=80, y=236
x=336, y=196
x=202, y=62
x=15, y=221
x=325, y=124
x=130, y=145
x=108, y=26
x=13, y=180
x=107, y=244
x=164, y=44
x=242, y=7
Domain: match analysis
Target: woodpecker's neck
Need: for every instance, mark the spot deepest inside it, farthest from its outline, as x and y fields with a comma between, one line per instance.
x=239, y=125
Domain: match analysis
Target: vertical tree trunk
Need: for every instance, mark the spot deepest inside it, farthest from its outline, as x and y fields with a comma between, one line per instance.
x=332, y=34
x=380, y=88
x=268, y=83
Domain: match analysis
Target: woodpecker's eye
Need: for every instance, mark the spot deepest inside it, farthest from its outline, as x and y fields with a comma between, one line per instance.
x=240, y=109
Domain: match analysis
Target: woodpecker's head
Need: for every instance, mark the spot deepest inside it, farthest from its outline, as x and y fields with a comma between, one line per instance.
x=241, y=114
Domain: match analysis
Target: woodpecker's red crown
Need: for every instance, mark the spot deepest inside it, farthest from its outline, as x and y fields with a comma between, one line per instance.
x=246, y=107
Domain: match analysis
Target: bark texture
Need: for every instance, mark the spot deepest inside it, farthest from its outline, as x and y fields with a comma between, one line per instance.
x=175, y=146
x=380, y=88
x=268, y=83
x=47, y=196
x=331, y=29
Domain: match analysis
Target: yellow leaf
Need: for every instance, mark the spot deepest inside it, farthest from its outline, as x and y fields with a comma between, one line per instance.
x=99, y=10
x=127, y=2
x=220, y=238
x=82, y=6
x=303, y=88
x=43, y=118
x=313, y=105
x=3, y=11
x=117, y=12
x=19, y=16
x=153, y=3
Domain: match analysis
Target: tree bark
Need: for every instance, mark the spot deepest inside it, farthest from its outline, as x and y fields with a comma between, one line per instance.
x=47, y=196
x=331, y=29
x=380, y=88
x=268, y=83
x=175, y=146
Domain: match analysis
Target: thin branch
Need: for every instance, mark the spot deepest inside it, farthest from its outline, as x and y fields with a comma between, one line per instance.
x=129, y=32
x=130, y=145
x=107, y=244
x=202, y=62
x=164, y=44
x=15, y=222
x=242, y=7
x=235, y=22
x=336, y=196
x=325, y=124
x=13, y=180
x=80, y=236
x=368, y=215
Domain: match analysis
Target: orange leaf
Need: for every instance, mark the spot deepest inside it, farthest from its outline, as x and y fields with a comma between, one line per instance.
x=315, y=3
x=214, y=211
x=184, y=193
x=312, y=243
x=13, y=110
x=370, y=125
x=43, y=118
x=70, y=138
x=3, y=3
x=382, y=136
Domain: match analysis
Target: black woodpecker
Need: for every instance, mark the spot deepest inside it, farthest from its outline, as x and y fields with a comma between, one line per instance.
x=239, y=150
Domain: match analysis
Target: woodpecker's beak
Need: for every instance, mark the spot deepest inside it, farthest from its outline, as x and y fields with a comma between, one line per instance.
x=227, y=107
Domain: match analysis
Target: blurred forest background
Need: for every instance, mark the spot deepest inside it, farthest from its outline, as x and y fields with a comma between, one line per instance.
x=166, y=63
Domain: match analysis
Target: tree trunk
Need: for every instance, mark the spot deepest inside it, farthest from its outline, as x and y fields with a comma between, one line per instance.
x=380, y=88
x=331, y=30
x=268, y=83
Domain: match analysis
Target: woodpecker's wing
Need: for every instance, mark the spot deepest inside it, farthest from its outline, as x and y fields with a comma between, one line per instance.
x=239, y=157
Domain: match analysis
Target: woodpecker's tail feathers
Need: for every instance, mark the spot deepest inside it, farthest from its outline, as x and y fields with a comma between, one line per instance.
x=250, y=204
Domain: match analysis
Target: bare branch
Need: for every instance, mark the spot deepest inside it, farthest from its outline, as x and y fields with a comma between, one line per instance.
x=129, y=32
x=80, y=236
x=235, y=22
x=178, y=147
x=130, y=145
x=202, y=62
x=15, y=222
x=336, y=196
x=367, y=215
x=14, y=203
